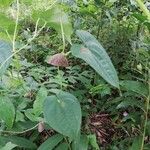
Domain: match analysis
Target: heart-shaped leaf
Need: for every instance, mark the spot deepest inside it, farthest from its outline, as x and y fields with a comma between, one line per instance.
x=63, y=113
x=96, y=56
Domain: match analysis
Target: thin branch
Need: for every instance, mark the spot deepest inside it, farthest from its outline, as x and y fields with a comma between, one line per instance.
x=21, y=132
x=29, y=41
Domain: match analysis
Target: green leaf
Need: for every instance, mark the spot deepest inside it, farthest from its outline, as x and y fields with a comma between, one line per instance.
x=51, y=142
x=8, y=146
x=30, y=114
x=7, y=111
x=84, y=141
x=136, y=145
x=126, y=102
x=63, y=146
x=38, y=103
x=96, y=56
x=5, y=52
x=135, y=86
x=5, y=3
x=19, y=141
x=93, y=142
x=54, y=17
x=6, y=24
x=63, y=113
x=19, y=116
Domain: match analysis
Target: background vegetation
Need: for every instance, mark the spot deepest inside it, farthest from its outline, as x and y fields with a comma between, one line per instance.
x=74, y=75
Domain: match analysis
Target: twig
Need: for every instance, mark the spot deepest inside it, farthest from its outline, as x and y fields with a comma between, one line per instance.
x=36, y=33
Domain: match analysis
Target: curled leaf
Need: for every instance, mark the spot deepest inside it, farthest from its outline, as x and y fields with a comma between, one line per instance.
x=58, y=60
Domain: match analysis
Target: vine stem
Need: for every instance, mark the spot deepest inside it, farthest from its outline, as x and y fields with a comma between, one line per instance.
x=146, y=113
x=13, y=132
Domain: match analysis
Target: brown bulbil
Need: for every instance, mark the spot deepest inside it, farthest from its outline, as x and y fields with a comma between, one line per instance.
x=58, y=60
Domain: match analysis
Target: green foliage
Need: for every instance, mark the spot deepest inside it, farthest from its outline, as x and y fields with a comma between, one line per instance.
x=63, y=113
x=5, y=52
x=7, y=26
x=51, y=142
x=19, y=141
x=74, y=107
x=92, y=141
x=38, y=103
x=136, y=143
x=135, y=86
x=55, y=17
x=84, y=141
x=96, y=56
x=5, y=3
x=62, y=146
x=8, y=146
x=7, y=111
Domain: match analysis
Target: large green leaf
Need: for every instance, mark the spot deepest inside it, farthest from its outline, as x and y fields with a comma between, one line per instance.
x=95, y=55
x=7, y=111
x=51, y=142
x=135, y=86
x=5, y=52
x=38, y=103
x=54, y=17
x=63, y=113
